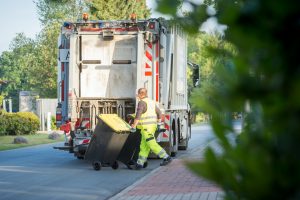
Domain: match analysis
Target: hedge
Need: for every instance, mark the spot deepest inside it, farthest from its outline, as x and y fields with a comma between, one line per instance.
x=21, y=123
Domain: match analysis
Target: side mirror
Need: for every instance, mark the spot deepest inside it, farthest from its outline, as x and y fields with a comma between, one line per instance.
x=196, y=73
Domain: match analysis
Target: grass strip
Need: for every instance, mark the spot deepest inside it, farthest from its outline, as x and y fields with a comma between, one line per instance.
x=6, y=142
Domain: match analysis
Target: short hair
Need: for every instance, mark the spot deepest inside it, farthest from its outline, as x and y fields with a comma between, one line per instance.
x=142, y=91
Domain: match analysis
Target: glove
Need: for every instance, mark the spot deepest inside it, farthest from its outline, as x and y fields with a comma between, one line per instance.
x=132, y=130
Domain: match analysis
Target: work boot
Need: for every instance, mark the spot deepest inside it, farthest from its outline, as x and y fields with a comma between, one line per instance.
x=138, y=166
x=166, y=161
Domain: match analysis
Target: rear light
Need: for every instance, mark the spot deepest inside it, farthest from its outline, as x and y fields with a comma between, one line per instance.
x=151, y=25
x=86, y=141
x=58, y=117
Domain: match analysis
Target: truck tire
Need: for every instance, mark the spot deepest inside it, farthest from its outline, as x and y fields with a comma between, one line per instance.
x=184, y=146
x=186, y=140
x=174, y=140
x=173, y=154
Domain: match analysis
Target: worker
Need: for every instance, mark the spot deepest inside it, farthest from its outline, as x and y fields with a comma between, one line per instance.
x=146, y=118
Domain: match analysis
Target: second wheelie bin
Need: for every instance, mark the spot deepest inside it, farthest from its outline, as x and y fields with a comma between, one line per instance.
x=108, y=139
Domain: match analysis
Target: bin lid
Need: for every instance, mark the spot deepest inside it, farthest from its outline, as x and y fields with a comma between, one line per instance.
x=115, y=122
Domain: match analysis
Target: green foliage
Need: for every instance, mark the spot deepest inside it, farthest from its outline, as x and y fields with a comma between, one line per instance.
x=21, y=123
x=264, y=78
x=3, y=122
x=55, y=12
x=15, y=67
x=118, y=9
x=212, y=53
x=36, y=139
x=1, y=100
x=43, y=71
x=53, y=123
x=202, y=118
x=190, y=21
x=31, y=63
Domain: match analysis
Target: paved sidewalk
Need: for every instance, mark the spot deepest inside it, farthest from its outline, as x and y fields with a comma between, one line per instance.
x=173, y=182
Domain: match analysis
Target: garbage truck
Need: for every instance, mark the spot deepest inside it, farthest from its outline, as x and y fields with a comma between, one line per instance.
x=102, y=64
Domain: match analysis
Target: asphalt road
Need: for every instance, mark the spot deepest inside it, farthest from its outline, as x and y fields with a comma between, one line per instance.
x=42, y=172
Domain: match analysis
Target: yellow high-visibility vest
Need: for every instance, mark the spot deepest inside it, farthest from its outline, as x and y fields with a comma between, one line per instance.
x=149, y=118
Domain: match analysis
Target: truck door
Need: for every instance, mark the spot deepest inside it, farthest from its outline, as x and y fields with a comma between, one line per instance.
x=108, y=66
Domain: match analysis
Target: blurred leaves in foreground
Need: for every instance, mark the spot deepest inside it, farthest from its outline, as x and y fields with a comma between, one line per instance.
x=264, y=83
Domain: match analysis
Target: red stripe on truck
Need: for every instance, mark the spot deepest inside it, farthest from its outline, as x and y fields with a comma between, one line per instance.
x=148, y=55
x=148, y=73
x=167, y=117
x=167, y=126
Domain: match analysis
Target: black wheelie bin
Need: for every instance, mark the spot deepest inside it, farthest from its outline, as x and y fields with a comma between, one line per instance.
x=130, y=151
x=109, y=137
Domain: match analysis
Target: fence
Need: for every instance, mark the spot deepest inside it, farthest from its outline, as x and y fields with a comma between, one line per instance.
x=45, y=109
x=7, y=105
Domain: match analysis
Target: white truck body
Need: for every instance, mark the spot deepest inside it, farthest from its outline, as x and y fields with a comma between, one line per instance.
x=102, y=64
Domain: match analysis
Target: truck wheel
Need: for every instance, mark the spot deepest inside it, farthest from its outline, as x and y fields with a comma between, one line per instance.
x=174, y=140
x=97, y=165
x=115, y=165
x=185, y=145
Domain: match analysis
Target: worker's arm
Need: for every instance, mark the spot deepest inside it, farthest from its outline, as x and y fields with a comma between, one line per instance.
x=142, y=107
x=135, y=122
x=158, y=113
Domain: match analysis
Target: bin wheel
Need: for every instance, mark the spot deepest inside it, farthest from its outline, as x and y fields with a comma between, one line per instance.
x=145, y=164
x=131, y=164
x=97, y=165
x=115, y=165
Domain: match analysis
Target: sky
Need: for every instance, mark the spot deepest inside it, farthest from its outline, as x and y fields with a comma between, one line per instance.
x=17, y=16
x=21, y=16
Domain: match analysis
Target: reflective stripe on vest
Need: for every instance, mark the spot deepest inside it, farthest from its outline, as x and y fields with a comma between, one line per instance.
x=149, y=117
